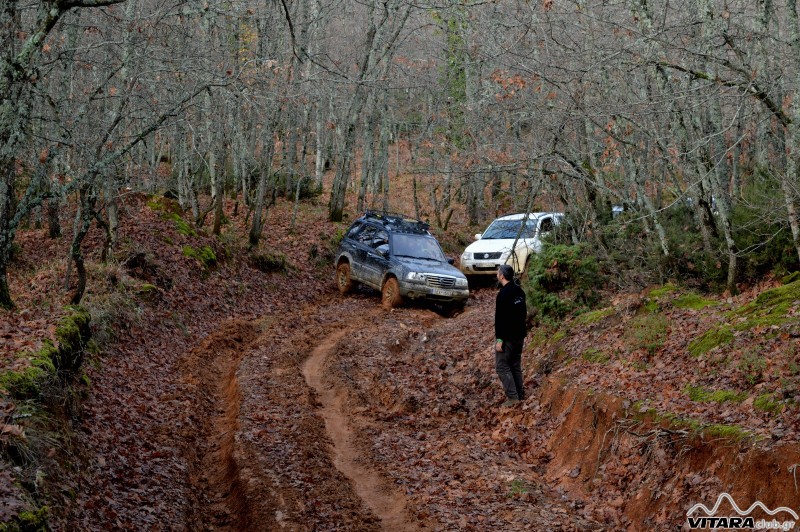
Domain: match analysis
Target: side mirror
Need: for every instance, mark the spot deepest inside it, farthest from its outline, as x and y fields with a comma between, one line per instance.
x=478, y=236
x=450, y=261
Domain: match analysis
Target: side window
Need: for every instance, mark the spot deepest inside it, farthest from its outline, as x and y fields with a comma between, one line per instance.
x=381, y=238
x=546, y=226
x=367, y=235
x=358, y=226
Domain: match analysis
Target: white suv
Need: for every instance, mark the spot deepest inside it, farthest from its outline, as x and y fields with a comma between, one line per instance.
x=493, y=247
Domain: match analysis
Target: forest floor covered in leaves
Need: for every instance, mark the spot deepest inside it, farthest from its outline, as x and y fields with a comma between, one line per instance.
x=227, y=397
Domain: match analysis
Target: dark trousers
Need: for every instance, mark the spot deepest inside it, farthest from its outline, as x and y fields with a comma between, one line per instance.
x=508, y=364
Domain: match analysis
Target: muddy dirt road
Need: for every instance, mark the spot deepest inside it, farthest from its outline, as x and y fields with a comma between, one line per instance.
x=378, y=494
x=347, y=417
x=343, y=416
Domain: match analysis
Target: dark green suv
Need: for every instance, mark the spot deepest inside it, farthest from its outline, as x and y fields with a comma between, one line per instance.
x=397, y=255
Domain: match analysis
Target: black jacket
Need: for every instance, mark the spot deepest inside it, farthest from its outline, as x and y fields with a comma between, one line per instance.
x=510, y=313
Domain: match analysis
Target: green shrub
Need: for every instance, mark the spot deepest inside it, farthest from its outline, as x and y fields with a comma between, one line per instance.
x=768, y=242
x=662, y=291
x=517, y=487
x=630, y=252
x=324, y=254
x=165, y=205
x=596, y=356
x=728, y=432
x=648, y=332
x=651, y=306
x=561, y=279
x=792, y=277
x=594, y=316
x=184, y=227
x=771, y=307
x=28, y=383
x=50, y=362
x=28, y=521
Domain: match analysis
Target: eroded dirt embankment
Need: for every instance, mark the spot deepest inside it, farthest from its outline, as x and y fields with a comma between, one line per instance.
x=650, y=472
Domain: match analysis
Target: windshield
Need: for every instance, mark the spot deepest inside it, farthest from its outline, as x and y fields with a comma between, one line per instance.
x=417, y=246
x=509, y=229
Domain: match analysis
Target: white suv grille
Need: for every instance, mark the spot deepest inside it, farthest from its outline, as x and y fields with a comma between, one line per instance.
x=484, y=256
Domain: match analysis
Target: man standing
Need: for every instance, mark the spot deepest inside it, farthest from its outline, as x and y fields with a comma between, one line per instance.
x=509, y=332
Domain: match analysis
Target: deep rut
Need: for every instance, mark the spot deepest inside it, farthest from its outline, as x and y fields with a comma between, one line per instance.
x=220, y=497
x=378, y=494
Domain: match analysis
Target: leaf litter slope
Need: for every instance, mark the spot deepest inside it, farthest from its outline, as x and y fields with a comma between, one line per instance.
x=150, y=423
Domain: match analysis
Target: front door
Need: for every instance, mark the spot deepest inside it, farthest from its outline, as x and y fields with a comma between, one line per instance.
x=376, y=261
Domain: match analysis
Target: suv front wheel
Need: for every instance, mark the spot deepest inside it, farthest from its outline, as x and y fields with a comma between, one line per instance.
x=391, y=294
x=343, y=280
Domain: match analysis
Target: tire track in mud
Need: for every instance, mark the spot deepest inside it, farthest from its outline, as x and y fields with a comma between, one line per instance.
x=378, y=494
x=221, y=501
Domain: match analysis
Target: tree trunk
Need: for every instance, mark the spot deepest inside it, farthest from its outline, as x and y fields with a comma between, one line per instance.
x=367, y=153
x=380, y=40
x=716, y=150
x=261, y=190
x=6, y=238
x=319, y=157
x=789, y=180
x=343, y=164
x=87, y=201
x=112, y=211
x=53, y=222
x=381, y=182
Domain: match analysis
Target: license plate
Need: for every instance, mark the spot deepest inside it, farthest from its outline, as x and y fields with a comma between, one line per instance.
x=440, y=292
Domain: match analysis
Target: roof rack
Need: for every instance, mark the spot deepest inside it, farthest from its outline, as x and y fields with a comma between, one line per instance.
x=398, y=220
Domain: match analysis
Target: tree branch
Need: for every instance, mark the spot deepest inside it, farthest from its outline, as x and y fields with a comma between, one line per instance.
x=750, y=87
x=69, y=4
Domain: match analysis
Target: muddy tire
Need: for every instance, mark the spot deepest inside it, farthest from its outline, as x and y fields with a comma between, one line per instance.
x=344, y=282
x=391, y=294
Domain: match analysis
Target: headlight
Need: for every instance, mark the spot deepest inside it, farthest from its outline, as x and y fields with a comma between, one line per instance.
x=466, y=256
x=505, y=255
x=461, y=283
x=416, y=276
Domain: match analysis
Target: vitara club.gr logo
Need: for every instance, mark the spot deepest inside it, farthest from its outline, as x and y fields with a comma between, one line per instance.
x=742, y=521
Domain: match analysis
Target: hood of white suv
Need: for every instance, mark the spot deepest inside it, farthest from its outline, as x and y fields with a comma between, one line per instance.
x=495, y=245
